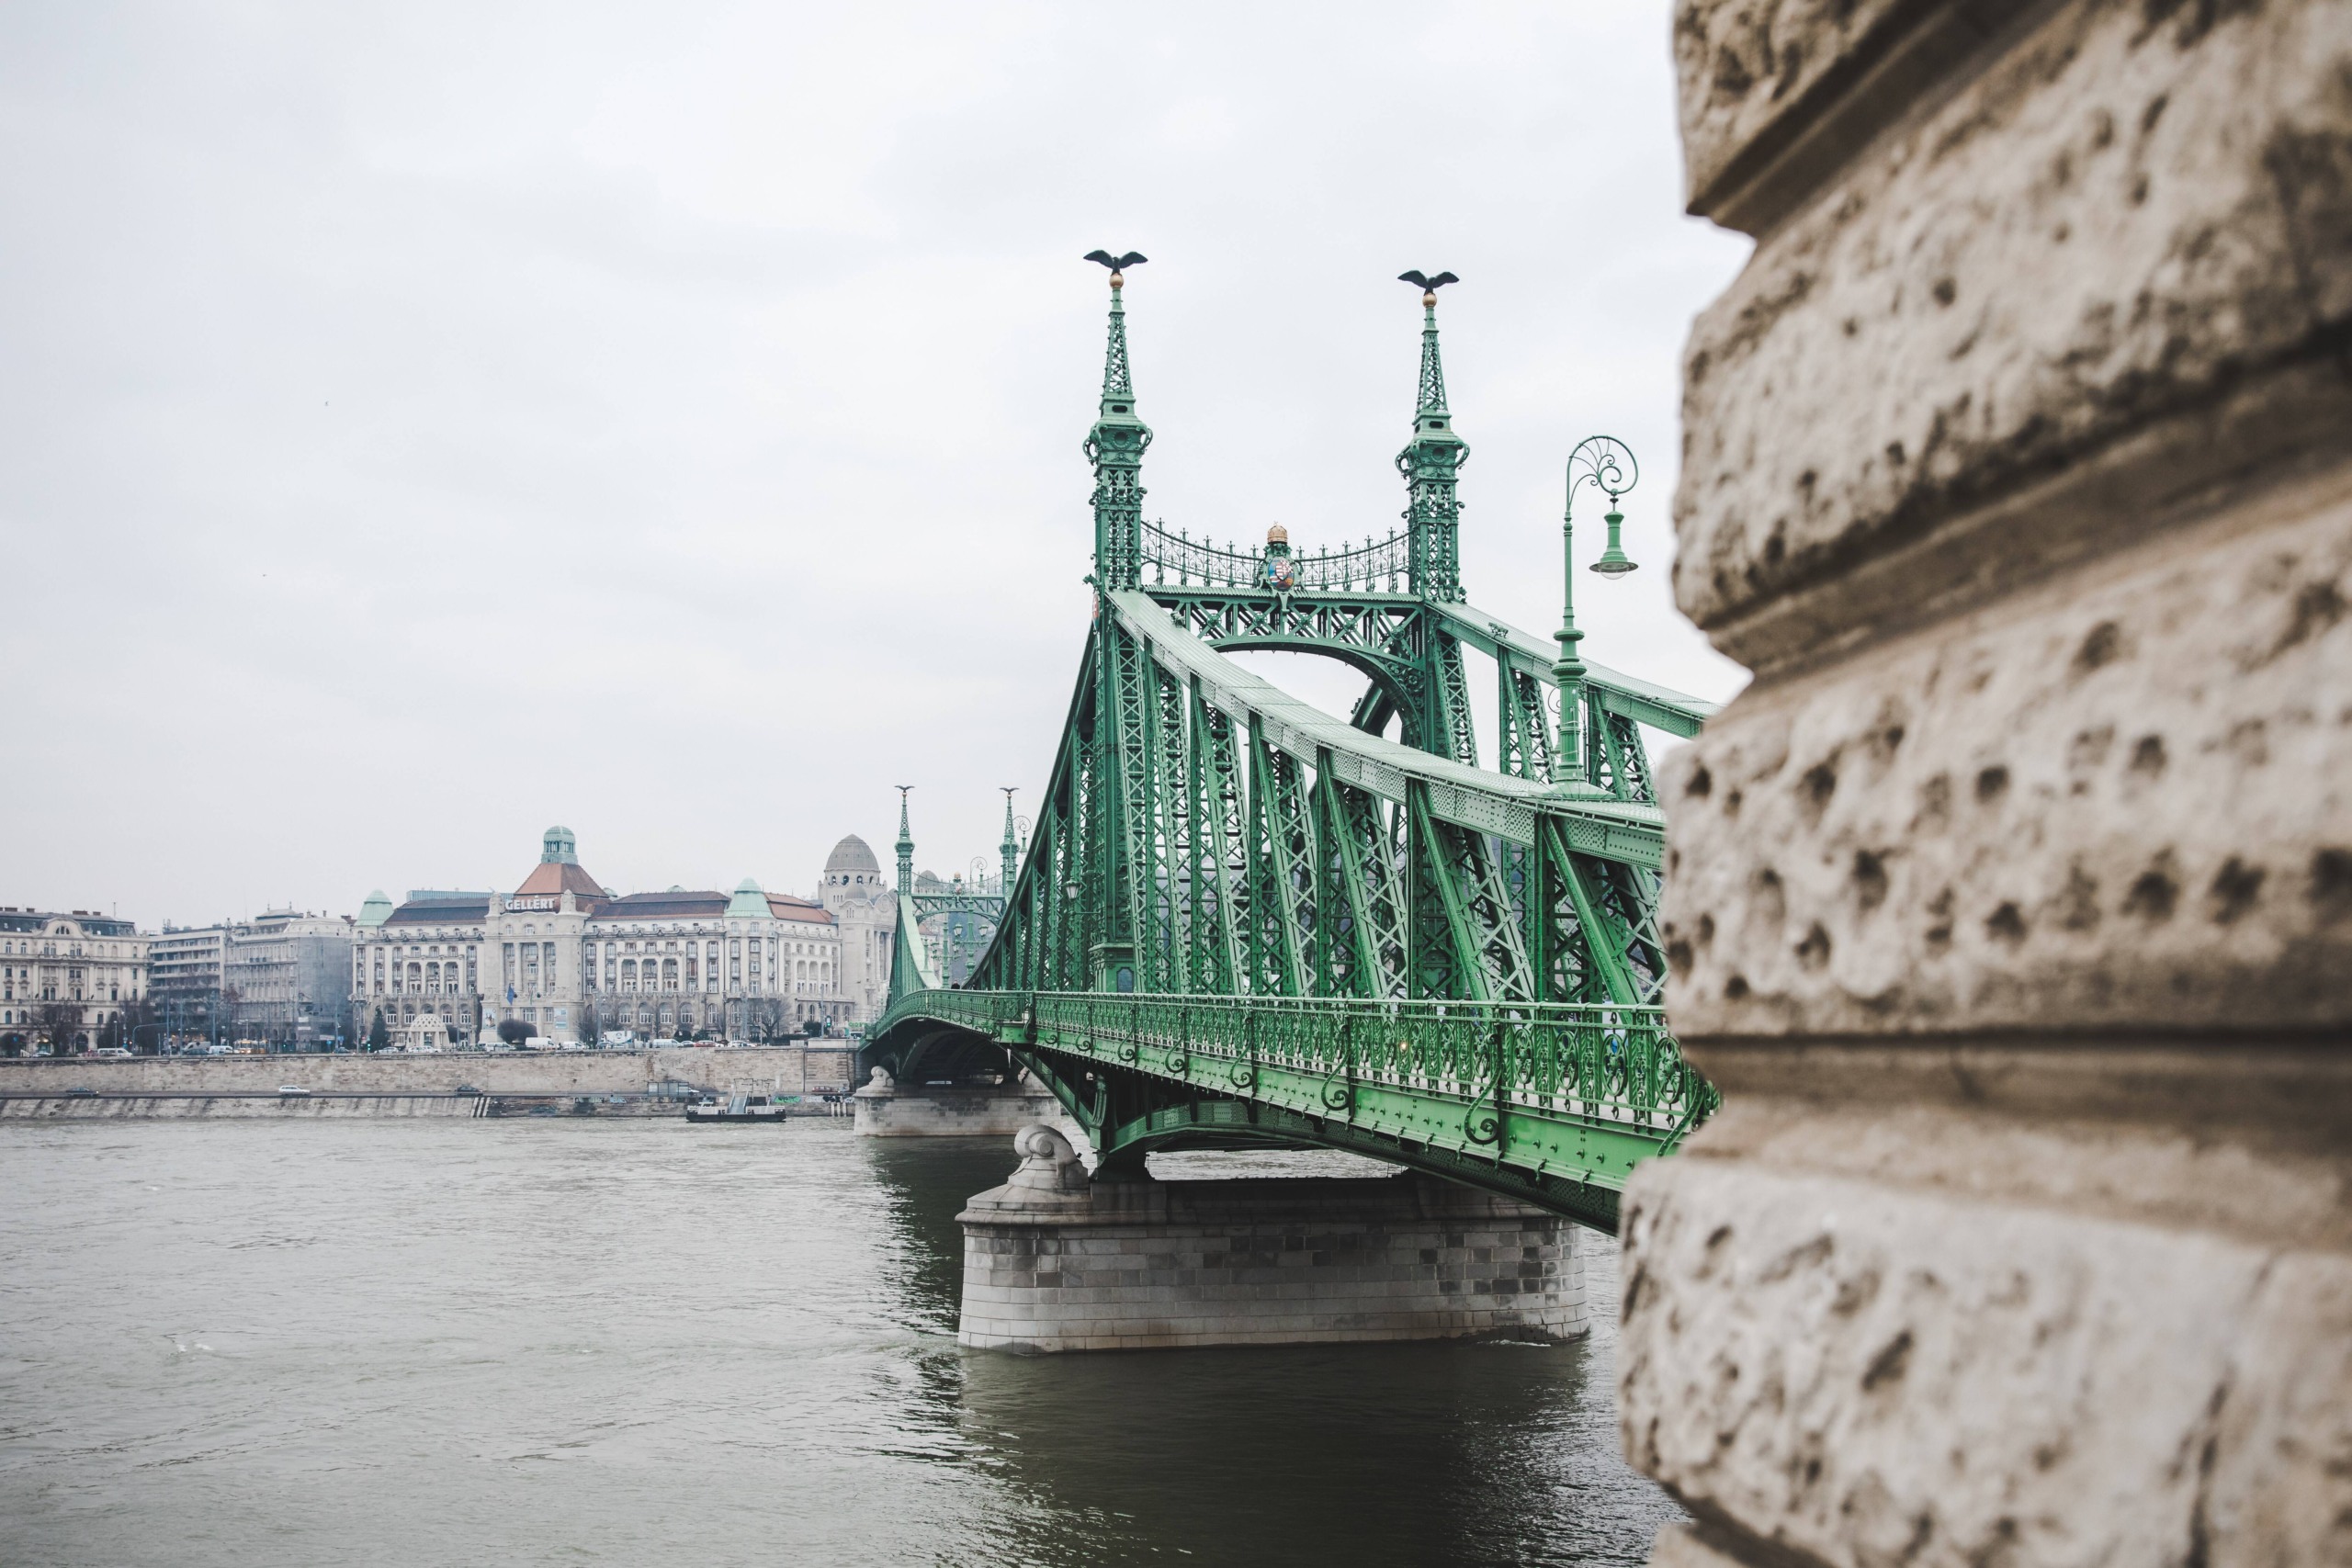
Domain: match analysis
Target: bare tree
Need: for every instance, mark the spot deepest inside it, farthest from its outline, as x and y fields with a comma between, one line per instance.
x=131, y=1027
x=58, y=1020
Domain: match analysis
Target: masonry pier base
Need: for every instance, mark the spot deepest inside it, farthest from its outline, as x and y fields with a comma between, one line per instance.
x=1055, y=1261
x=885, y=1110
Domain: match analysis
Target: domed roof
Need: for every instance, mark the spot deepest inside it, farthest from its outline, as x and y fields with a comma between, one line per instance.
x=851, y=855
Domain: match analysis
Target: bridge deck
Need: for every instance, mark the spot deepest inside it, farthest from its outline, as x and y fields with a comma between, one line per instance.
x=1550, y=1103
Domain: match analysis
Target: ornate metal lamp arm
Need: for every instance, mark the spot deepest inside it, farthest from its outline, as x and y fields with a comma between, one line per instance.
x=1606, y=463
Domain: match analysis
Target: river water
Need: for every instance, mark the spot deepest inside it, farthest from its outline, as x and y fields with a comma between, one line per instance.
x=641, y=1343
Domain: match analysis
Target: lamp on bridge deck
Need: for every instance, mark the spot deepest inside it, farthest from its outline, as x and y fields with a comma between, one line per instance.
x=1614, y=561
x=1606, y=463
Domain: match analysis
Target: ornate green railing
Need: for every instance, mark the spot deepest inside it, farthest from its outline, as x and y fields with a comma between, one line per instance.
x=1178, y=560
x=1560, y=1096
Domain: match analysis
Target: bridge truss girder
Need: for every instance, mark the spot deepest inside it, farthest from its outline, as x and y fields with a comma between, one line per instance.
x=1185, y=846
x=1549, y=1105
x=1208, y=844
x=1412, y=652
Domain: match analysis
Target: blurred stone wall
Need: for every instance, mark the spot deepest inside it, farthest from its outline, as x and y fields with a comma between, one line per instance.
x=2011, y=907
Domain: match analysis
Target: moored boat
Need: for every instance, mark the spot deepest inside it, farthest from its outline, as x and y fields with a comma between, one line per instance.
x=739, y=1108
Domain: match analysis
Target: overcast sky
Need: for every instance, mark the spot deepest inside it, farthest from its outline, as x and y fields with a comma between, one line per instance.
x=421, y=423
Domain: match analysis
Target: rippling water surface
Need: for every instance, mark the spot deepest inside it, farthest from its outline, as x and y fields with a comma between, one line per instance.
x=579, y=1342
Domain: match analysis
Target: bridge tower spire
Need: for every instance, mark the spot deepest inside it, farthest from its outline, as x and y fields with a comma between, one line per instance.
x=906, y=848
x=1115, y=447
x=1010, y=848
x=1430, y=462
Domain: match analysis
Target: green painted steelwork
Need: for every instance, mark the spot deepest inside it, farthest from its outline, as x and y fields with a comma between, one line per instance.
x=1222, y=880
x=988, y=905
x=1553, y=1103
x=987, y=909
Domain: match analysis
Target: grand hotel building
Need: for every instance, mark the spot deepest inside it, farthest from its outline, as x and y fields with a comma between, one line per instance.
x=75, y=972
x=571, y=959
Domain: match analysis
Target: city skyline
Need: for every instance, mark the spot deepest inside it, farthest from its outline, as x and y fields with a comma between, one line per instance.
x=399, y=888
x=676, y=437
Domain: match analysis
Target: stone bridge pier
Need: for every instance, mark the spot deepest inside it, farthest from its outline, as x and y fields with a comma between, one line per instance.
x=2010, y=907
x=883, y=1108
x=1056, y=1260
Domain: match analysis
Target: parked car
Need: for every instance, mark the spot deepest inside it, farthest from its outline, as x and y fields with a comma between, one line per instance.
x=81, y=1092
x=111, y=1051
x=292, y=1092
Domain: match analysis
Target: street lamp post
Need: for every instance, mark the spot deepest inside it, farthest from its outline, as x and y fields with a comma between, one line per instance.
x=1606, y=463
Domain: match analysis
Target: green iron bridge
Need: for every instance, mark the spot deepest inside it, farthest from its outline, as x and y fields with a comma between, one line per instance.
x=1243, y=922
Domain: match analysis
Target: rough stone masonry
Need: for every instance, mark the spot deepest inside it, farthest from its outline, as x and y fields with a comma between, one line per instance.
x=2011, y=907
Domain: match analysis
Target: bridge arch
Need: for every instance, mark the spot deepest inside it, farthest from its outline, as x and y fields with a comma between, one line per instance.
x=1395, y=684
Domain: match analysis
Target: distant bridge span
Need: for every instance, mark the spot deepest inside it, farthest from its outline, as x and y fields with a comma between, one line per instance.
x=1243, y=922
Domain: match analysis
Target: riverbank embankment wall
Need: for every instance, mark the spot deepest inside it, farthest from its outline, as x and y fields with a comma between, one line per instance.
x=239, y=1107
x=788, y=1069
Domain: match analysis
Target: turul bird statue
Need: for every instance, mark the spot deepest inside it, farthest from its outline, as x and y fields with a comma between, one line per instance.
x=1426, y=284
x=1116, y=264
